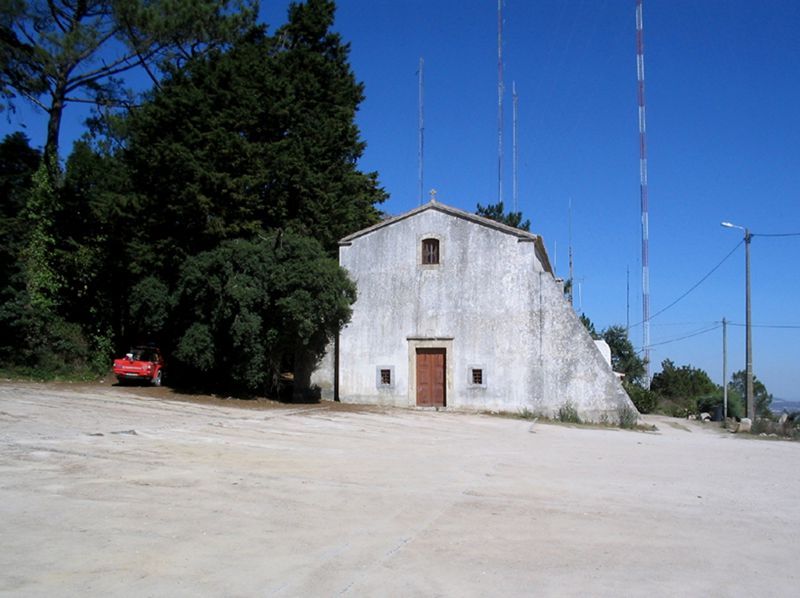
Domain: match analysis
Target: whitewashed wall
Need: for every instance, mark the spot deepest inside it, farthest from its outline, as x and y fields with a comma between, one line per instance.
x=489, y=302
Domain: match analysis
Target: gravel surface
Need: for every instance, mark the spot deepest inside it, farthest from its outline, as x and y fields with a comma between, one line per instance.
x=110, y=490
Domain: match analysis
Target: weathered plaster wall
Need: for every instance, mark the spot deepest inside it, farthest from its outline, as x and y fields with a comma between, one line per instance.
x=571, y=367
x=489, y=303
x=471, y=297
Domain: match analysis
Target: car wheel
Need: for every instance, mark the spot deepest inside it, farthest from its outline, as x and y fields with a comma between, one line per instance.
x=157, y=379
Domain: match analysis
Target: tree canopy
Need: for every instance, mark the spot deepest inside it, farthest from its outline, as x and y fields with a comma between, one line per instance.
x=246, y=308
x=497, y=213
x=58, y=51
x=763, y=399
x=680, y=383
x=624, y=358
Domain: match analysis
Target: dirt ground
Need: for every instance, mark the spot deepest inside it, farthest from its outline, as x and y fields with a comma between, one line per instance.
x=110, y=490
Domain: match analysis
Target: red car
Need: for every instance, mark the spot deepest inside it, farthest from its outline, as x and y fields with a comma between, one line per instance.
x=142, y=364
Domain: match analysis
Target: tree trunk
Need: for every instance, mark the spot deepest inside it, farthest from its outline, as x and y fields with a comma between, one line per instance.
x=55, y=114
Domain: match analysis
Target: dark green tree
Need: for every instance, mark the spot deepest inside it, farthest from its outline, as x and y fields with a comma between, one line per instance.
x=497, y=213
x=624, y=358
x=684, y=382
x=685, y=388
x=262, y=136
x=762, y=396
x=18, y=163
x=92, y=225
x=590, y=327
x=247, y=309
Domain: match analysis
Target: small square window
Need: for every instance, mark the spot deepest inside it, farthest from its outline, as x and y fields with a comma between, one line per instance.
x=476, y=376
x=430, y=251
x=384, y=377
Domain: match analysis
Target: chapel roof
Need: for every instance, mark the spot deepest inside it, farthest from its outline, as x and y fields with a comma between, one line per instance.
x=521, y=235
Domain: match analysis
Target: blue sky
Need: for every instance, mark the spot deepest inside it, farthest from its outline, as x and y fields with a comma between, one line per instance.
x=722, y=89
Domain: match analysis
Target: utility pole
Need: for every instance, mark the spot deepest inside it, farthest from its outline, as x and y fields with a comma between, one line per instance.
x=748, y=351
x=725, y=368
x=750, y=399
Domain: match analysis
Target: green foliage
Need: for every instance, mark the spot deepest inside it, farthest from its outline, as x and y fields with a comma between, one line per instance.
x=101, y=351
x=682, y=383
x=710, y=403
x=762, y=396
x=18, y=163
x=643, y=399
x=262, y=136
x=589, y=326
x=196, y=348
x=42, y=281
x=59, y=51
x=246, y=308
x=497, y=213
x=623, y=356
x=150, y=306
x=568, y=413
x=92, y=228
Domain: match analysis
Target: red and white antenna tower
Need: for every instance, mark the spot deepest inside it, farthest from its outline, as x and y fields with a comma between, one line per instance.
x=500, y=101
x=643, y=192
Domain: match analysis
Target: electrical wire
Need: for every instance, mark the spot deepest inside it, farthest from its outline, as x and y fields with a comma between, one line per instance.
x=684, y=337
x=787, y=326
x=775, y=234
x=701, y=281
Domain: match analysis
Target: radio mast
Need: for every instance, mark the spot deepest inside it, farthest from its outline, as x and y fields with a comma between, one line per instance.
x=515, y=150
x=500, y=101
x=421, y=149
x=643, y=192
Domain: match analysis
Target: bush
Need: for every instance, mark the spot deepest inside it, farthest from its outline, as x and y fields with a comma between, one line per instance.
x=643, y=399
x=101, y=352
x=712, y=402
x=684, y=408
x=627, y=417
x=568, y=413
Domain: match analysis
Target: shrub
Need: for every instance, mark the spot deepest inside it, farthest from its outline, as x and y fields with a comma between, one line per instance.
x=627, y=417
x=643, y=399
x=677, y=409
x=711, y=402
x=568, y=413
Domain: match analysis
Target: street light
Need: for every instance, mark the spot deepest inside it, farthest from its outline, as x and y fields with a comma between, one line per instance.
x=749, y=399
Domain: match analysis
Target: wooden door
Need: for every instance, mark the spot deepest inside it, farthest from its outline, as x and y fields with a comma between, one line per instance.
x=431, y=378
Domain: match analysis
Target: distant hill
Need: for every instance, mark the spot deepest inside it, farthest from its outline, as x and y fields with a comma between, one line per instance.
x=779, y=405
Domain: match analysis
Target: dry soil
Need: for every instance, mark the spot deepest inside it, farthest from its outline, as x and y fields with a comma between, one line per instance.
x=128, y=491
